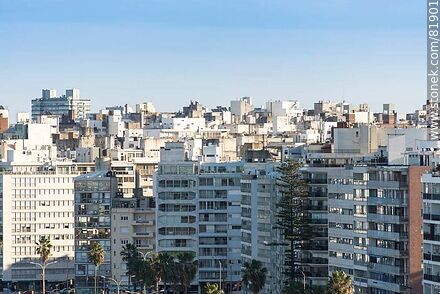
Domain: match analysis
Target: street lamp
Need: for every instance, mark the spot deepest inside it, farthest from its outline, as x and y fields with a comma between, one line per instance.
x=304, y=280
x=43, y=272
x=129, y=281
x=118, y=284
x=146, y=254
x=144, y=257
x=220, y=281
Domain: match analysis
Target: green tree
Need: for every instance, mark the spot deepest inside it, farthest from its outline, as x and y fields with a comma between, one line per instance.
x=340, y=283
x=129, y=252
x=254, y=275
x=186, y=269
x=96, y=256
x=292, y=217
x=131, y=255
x=43, y=249
x=212, y=289
x=164, y=266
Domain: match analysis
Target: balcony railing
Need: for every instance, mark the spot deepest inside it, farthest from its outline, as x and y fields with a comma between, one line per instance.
x=429, y=196
x=433, y=257
x=433, y=278
x=431, y=237
x=434, y=217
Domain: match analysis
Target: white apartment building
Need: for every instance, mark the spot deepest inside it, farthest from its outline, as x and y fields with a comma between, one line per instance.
x=258, y=215
x=36, y=204
x=132, y=221
x=198, y=210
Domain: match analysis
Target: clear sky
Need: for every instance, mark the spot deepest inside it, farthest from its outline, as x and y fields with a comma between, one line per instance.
x=169, y=52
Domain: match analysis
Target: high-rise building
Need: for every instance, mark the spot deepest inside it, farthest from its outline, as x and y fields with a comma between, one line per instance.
x=198, y=210
x=133, y=222
x=431, y=232
x=35, y=204
x=93, y=199
x=374, y=226
x=70, y=105
x=260, y=239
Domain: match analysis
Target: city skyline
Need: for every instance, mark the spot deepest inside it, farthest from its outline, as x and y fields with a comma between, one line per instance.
x=169, y=53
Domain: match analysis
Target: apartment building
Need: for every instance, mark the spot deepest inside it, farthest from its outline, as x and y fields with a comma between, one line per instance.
x=431, y=232
x=70, y=104
x=198, y=210
x=259, y=240
x=132, y=221
x=374, y=226
x=36, y=203
x=93, y=198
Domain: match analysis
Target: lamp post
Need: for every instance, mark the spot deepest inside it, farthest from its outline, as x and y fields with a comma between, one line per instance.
x=118, y=284
x=144, y=257
x=220, y=280
x=43, y=272
x=129, y=281
x=304, y=280
x=146, y=254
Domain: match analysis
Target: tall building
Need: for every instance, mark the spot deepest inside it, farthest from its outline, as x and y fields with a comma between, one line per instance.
x=431, y=232
x=70, y=105
x=36, y=203
x=93, y=198
x=374, y=226
x=259, y=198
x=133, y=220
x=198, y=210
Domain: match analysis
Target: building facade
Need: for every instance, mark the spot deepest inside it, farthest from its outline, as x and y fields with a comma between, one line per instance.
x=36, y=204
x=70, y=104
x=93, y=199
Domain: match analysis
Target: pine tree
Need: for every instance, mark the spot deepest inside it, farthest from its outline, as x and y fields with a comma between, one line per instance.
x=340, y=283
x=292, y=218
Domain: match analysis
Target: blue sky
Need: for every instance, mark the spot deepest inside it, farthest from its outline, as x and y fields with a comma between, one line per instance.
x=169, y=52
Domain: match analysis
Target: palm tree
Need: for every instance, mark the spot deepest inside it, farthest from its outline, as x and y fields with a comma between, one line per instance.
x=254, y=275
x=129, y=252
x=186, y=269
x=96, y=256
x=43, y=249
x=164, y=264
x=340, y=283
x=212, y=289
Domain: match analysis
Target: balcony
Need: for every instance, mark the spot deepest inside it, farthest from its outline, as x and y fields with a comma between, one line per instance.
x=317, y=181
x=432, y=278
x=431, y=237
x=387, y=235
x=433, y=217
x=144, y=234
x=385, y=268
x=144, y=246
x=386, y=218
x=314, y=260
x=429, y=196
x=143, y=222
x=433, y=257
x=387, y=201
x=318, y=221
x=379, y=251
x=316, y=207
